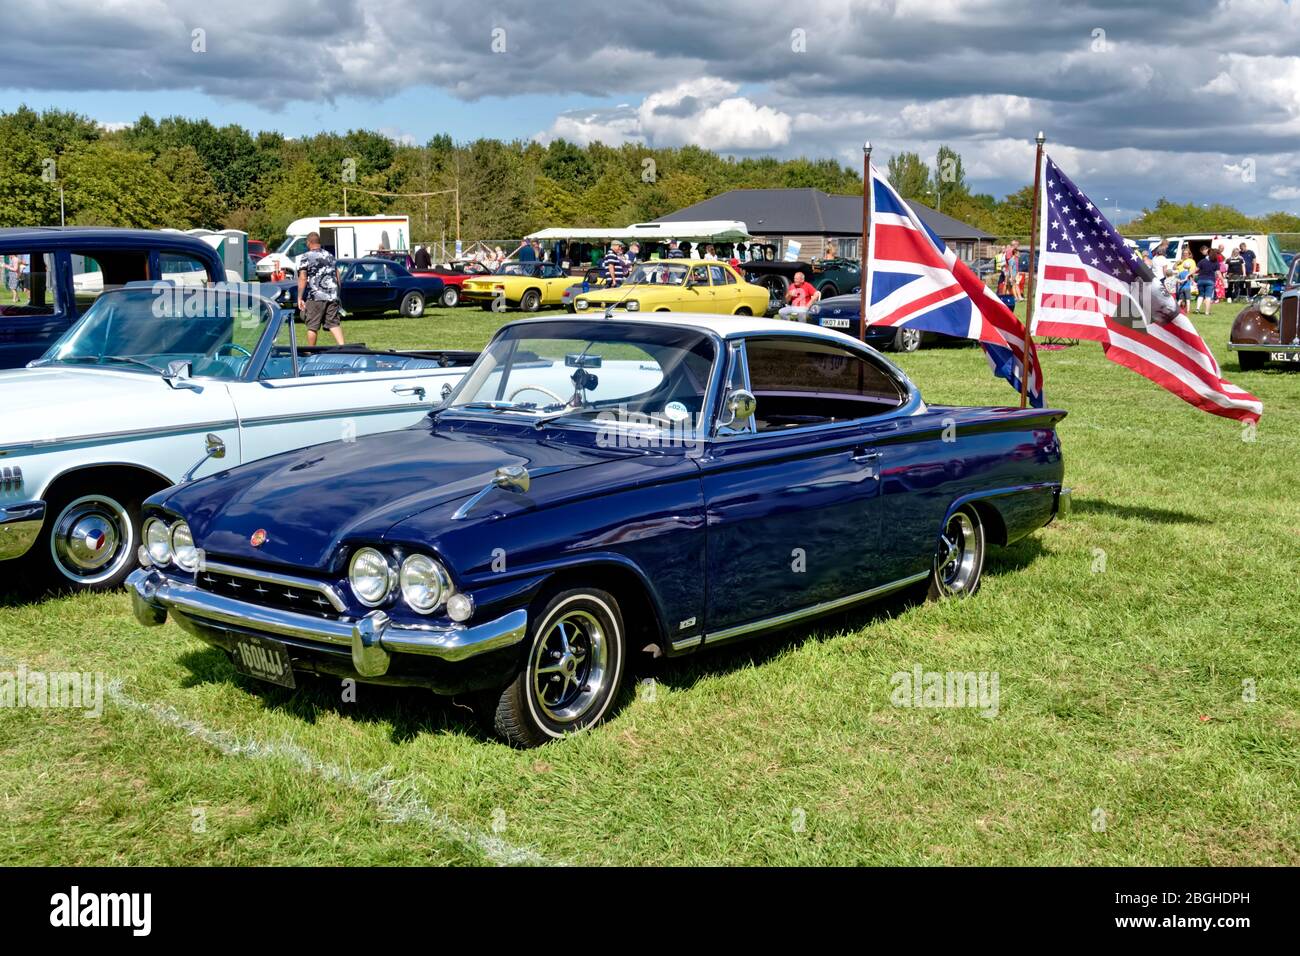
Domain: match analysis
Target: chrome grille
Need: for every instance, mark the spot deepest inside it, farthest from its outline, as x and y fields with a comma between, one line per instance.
x=11, y=479
x=271, y=590
x=1288, y=325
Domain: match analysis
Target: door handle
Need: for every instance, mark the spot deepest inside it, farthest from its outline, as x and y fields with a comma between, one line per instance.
x=863, y=456
x=416, y=390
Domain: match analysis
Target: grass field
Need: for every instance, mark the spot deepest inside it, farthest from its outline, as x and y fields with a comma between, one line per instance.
x=1146, y=649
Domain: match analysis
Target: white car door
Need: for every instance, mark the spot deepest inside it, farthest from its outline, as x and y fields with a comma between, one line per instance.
x=330, y=400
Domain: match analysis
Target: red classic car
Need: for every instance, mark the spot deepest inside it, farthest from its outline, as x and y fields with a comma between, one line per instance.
x=453, y=274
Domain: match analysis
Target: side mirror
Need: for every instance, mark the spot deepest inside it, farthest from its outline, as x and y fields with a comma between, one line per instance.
x=179, y=369
x=740, y=406
x=213, y=447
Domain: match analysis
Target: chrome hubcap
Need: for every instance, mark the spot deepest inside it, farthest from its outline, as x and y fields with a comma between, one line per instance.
x=958, y=550
x=92, y=537
x=911, y=339
x=570, y=666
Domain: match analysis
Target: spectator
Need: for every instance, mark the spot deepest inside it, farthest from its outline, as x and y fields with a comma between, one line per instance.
x=422, y=261
x=11, y=276
x=1220, y=277
x=709, y=253
x=633, y=254
x=1159, y=262
x=1011, y=265
x=1184, y=277
x=614, y=265
x=799, y=296
x=1247, y=261
x=673, y=251
x=318, y=290
x=1207, y=268
x=832, y=250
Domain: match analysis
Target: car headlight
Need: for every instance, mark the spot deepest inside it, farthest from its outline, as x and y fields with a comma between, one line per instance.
x=632, y=305
x=580, y=304
x=424, y=583
x=370, y=576
x=814, y=309
x=184, y=553
x=1269, y=304
x=158, y=541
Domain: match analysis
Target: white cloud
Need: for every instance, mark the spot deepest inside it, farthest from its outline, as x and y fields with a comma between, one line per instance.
x=1284, y=193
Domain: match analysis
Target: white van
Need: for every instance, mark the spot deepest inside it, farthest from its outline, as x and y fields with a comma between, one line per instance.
x=347, y=237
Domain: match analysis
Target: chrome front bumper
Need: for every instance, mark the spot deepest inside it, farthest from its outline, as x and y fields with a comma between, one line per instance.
x=20, y=525
x=373, y=639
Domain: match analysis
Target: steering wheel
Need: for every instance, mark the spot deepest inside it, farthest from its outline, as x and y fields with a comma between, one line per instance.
x=535, y=388
x=233, y=346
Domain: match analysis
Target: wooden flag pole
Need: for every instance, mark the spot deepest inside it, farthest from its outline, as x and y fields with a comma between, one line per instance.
x=1027, y=365
x=862, y=249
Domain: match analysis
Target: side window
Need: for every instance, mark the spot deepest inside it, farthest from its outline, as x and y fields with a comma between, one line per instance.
x=29, y=287
x=727, y=278
x=279, y=364
x=186, y=270
x=715, y=274
x=700, y=275
x=806, y=382
x=1295, y=271
x=298, y=248
x=95, y=272
x=385, y=273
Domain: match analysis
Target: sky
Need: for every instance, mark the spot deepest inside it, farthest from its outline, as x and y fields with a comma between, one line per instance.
x=1197, y=101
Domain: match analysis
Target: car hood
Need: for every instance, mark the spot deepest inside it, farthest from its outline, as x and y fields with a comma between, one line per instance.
x=59, y=402
x=309, y=501
x=841, y=304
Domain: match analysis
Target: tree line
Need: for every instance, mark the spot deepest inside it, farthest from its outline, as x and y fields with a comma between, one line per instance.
x=187, y=173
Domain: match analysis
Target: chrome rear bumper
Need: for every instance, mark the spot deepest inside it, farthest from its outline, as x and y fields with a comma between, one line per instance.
x=372, y=639
x=20, y=525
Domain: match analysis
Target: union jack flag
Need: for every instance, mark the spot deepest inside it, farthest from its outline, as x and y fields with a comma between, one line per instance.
x=915, y=280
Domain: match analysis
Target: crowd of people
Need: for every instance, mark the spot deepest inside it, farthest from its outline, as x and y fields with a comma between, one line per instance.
x=1204, y=275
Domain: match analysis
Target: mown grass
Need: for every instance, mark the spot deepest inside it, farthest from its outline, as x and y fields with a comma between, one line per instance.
x=1121, y=636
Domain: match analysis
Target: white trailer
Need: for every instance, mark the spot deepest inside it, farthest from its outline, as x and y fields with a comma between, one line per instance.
x=347, y=237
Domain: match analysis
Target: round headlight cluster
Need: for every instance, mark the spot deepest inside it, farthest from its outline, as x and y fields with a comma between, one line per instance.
x=580, y=304
x=1269, y=304
x=424, y=582
x=184, y=553
x=370, y=576
x=158, y=541
x=632, y=305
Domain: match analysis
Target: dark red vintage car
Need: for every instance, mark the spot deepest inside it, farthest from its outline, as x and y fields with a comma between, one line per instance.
x=1268, y=329
x=453, y=275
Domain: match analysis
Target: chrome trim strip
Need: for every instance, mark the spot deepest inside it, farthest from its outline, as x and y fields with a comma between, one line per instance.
x=825, y=607
x=686, y=643
x=128, y=433
x=20, y=526
x=285, y=580
x=153, y=595
x=1253, y=347
x=334, y=413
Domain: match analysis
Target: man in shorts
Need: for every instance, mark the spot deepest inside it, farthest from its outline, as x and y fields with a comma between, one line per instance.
x=318, y=290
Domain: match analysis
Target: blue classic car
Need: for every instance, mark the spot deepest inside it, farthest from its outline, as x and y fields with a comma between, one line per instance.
x=50, y=276
x=841, y=312
x=595, y=488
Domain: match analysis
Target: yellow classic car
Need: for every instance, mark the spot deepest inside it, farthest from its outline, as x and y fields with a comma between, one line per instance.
x=518, y=285
x=679, y=285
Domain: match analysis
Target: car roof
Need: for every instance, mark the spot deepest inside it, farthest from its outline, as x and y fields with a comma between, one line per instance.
x=723, y=326
x=105, y=235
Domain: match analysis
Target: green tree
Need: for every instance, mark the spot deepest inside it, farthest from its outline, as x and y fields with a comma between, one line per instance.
x=550, y=205
x=200, y=204
x=909, y=176
x=110, y=185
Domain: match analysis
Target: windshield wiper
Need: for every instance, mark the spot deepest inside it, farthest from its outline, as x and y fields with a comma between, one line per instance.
x=506, y=406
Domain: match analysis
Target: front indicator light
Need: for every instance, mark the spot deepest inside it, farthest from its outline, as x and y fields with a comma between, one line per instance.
x=370, y=576
x=158, y=541
x=460, y=607
x=424, y=583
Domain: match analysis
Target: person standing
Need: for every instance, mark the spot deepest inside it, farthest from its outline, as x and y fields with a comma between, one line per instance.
x=614, y=265
x=1207, y=269
x=526, y=252
x=422, y=261
x=1011, y=265
x=674, y=251
x=1159, y=262
x=318, y=290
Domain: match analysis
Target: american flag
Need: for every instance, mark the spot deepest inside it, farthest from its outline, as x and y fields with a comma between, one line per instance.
x=1091, y=285
x=913, y=279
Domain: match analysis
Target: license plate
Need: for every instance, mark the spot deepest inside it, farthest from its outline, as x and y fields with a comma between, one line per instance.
x=1284, y=356
x=835, y=323
x=264, y=659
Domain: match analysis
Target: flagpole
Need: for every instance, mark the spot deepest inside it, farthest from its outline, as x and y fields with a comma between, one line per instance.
x=1027, y=365
x=866, y=232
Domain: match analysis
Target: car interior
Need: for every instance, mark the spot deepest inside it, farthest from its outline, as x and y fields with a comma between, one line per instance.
x=799, y=383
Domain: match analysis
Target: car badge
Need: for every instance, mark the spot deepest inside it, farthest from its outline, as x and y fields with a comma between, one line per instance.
x=258, y=538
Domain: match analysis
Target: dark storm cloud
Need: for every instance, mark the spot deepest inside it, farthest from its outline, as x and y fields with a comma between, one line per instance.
x=1214, y=78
